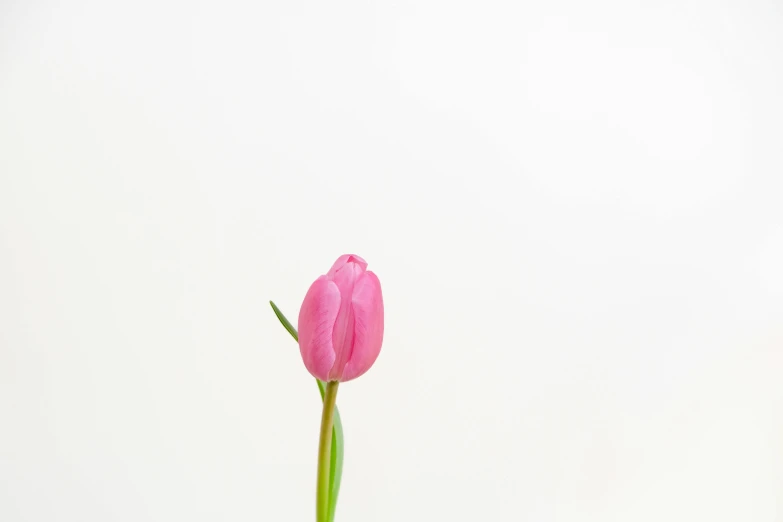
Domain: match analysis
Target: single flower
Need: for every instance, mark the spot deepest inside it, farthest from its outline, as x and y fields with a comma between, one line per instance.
x=341, y=321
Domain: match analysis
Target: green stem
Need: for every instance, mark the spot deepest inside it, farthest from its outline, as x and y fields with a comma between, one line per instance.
x=324, y=451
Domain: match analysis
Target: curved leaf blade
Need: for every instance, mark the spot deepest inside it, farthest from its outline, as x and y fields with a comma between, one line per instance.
x=286, y=323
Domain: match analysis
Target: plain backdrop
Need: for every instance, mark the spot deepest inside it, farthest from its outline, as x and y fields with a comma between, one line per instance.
x=575, y=210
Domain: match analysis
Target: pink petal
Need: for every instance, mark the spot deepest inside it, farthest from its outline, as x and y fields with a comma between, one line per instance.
x=342, y=335
x=345, y=272
x=367, y=304
x=316, y=323
x=345, y=259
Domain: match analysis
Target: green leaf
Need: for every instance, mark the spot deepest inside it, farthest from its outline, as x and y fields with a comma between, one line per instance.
x=288, y=326
x=336, y=464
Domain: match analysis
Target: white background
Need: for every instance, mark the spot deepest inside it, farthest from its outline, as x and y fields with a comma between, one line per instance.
x=574, y=209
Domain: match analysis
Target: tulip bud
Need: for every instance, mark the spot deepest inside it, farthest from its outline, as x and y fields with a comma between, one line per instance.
x=341, y=321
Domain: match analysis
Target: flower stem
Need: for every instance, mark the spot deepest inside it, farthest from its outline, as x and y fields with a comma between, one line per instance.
x=324, y=453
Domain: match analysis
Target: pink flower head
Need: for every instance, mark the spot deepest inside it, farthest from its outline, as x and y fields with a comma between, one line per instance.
x=341, y=321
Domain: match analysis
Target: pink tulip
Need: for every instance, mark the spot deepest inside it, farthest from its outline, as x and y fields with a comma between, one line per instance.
x=341, y=321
